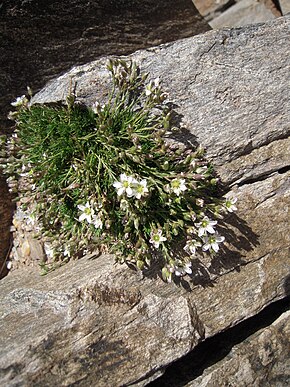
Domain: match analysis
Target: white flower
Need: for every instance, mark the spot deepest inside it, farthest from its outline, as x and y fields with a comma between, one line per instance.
x=97, y=221
x=191, y=246
x=157, y=82
x=157, y=238
x=230, y=204
x=66, y=252
x=205, y=226
x=87, y=212
x=9, y=265
x=19, y=101
x=96, y=107
x=49, y=252
x=211, y=242
x=182, y=270
x=178, y=186
x=124, y=185
x=148, y=89
x=140, y=188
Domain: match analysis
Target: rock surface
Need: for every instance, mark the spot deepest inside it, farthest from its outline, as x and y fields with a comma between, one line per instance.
x=243, y=13
x=285, y=6
x=93, y=322
x=262, y=360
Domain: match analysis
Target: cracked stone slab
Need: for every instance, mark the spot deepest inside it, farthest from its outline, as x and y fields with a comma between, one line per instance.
x=263, y=359
x=94, y=322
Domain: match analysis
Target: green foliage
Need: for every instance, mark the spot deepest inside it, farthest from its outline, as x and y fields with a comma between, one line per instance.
x=109, y=176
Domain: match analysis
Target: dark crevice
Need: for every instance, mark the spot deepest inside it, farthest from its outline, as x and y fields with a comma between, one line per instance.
x=284, y=169
x=250, y=147
x=264, y=176
x=216, y=348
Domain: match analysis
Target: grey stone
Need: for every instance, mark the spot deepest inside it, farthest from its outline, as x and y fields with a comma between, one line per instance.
x=94, y=323
x=262, y=360
x=285, y=6
x=243, y=13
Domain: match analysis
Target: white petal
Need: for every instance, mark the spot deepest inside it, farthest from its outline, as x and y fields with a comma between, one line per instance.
x=120, y=191
x=210, y=229
x=82, y=217
x=201, y=232
x=206, y=247
x=215, y=247
x=129, y=192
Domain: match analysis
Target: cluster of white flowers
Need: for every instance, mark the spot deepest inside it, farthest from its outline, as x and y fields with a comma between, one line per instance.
x=177, y=268
x=131, y=187
x=209, y=238
x=88, y=214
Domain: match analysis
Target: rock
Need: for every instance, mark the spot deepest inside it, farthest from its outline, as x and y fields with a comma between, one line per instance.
x=243, y=13
x=285, y=6
x=92, y=322
x=212, y=8
x=263, y=359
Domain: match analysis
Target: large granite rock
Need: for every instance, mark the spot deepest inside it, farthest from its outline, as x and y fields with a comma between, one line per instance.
x=94, y=323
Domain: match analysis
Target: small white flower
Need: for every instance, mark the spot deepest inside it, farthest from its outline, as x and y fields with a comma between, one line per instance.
x=97, y=221
x=178, y=186
x=183, y=269
x=9, y=265
x=19, y=101
x=148, y=89
x=87, y=212
x=205, y=226
x=66, y=252
x=211, y=242
x=230, y=204
x=157, y=238
x=191, y=246
x=49, y=251
x=125, y=185
x=157, y=82
x=140, y=188
x=96, y=107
